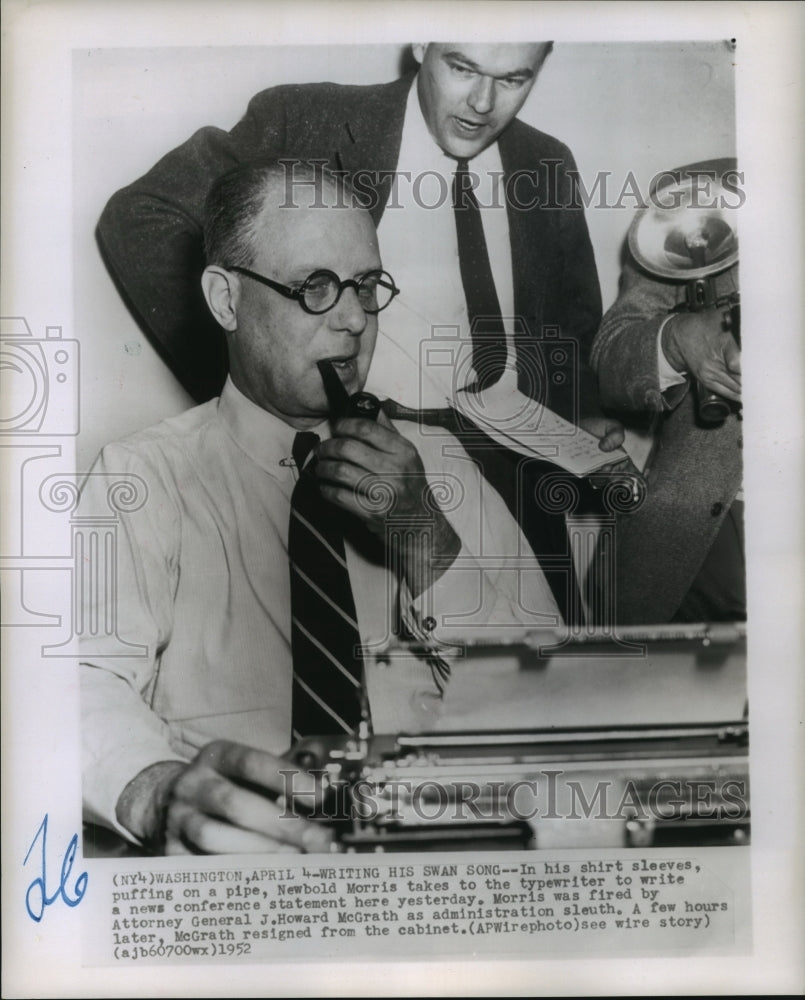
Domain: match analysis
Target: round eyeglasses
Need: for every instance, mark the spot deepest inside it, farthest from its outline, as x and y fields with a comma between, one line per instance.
x=320, y=291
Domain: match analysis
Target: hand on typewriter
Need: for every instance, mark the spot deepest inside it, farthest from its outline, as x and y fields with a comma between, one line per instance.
x=226, y=801
x=371, y=470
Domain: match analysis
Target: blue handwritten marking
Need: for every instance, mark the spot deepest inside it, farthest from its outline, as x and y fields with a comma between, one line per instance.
x=39, y=885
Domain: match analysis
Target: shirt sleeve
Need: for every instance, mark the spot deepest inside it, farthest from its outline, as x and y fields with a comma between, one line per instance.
x=668, y=375
x=495, y=582
x=625, y=354
x=128, y=622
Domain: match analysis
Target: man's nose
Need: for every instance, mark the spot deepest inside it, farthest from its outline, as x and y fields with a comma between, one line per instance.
x=348, y=314
x=482, y=95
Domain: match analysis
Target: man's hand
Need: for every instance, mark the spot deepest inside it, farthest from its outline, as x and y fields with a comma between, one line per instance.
x=611, y=435
x=697, y=343
x=230, y=799
x=371, y=470
x=609, y=432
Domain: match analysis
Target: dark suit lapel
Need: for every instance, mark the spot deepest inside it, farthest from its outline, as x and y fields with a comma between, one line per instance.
x=527, y=226
x=370, y=140
x=530, y=243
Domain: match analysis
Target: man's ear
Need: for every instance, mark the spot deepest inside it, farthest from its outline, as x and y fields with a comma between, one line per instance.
x=418, y=51
x=221, y=290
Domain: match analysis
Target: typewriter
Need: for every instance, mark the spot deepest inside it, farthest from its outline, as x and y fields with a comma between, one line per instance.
x=527, y=741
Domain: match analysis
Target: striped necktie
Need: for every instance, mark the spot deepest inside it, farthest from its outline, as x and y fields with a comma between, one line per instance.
x=325, y=641
x=483, y=306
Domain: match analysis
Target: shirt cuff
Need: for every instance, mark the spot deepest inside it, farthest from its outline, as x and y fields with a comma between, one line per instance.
x=108, y=781
x=458, y=593
x=668, y=375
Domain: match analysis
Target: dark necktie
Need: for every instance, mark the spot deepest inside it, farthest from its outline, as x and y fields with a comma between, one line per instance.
x=483, y=307
x=325, y=641
x=514, y=480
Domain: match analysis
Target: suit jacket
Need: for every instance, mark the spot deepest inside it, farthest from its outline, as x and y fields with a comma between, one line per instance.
x=151, y=231
x=696, y=470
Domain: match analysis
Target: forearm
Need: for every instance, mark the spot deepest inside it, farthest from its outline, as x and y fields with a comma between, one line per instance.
x=122, y=738
x=624, y=353
x=425, y=556
x=494, y=580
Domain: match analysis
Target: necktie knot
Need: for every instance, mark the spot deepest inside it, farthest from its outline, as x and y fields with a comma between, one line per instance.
x=303, y=444
x=463, y=196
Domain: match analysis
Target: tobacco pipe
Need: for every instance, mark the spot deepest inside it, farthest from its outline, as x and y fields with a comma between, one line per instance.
x=359, y=404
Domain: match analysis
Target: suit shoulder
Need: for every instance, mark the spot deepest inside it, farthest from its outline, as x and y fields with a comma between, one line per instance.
x=532, y=142
x=319, y=97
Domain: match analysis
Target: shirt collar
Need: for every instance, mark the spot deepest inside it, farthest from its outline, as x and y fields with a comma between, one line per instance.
x=264, y=437
x=420, y=152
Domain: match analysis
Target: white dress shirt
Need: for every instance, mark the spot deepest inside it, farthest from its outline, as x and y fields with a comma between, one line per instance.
x=668, y=375
x=203, y=588
x=423, y=353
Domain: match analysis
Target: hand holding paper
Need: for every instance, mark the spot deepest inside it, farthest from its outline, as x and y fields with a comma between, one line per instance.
x=530, y=428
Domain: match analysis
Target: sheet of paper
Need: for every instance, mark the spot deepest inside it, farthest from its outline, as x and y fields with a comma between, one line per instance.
x=530, y=428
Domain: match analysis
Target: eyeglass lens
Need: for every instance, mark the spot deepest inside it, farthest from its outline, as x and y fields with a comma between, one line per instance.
x=323, y=289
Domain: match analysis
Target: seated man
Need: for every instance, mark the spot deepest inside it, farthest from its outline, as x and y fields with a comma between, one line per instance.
x=252, y=576
x=480, y=225
x=680, y=556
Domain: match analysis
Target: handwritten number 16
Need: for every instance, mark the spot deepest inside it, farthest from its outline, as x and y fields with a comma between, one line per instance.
x=38, y=888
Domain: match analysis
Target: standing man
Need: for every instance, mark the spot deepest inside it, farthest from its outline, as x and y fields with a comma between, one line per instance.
x=261, y=563
x=680, y=556
x=511, y=261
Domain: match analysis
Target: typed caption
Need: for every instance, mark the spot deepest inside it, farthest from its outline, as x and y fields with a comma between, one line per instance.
x=520, y=904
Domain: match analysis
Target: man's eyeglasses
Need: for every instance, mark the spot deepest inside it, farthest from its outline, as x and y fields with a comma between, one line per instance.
x=320, y=291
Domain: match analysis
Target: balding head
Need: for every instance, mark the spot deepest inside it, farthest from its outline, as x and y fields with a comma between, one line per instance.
x=241, y=202
x=285, y=228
